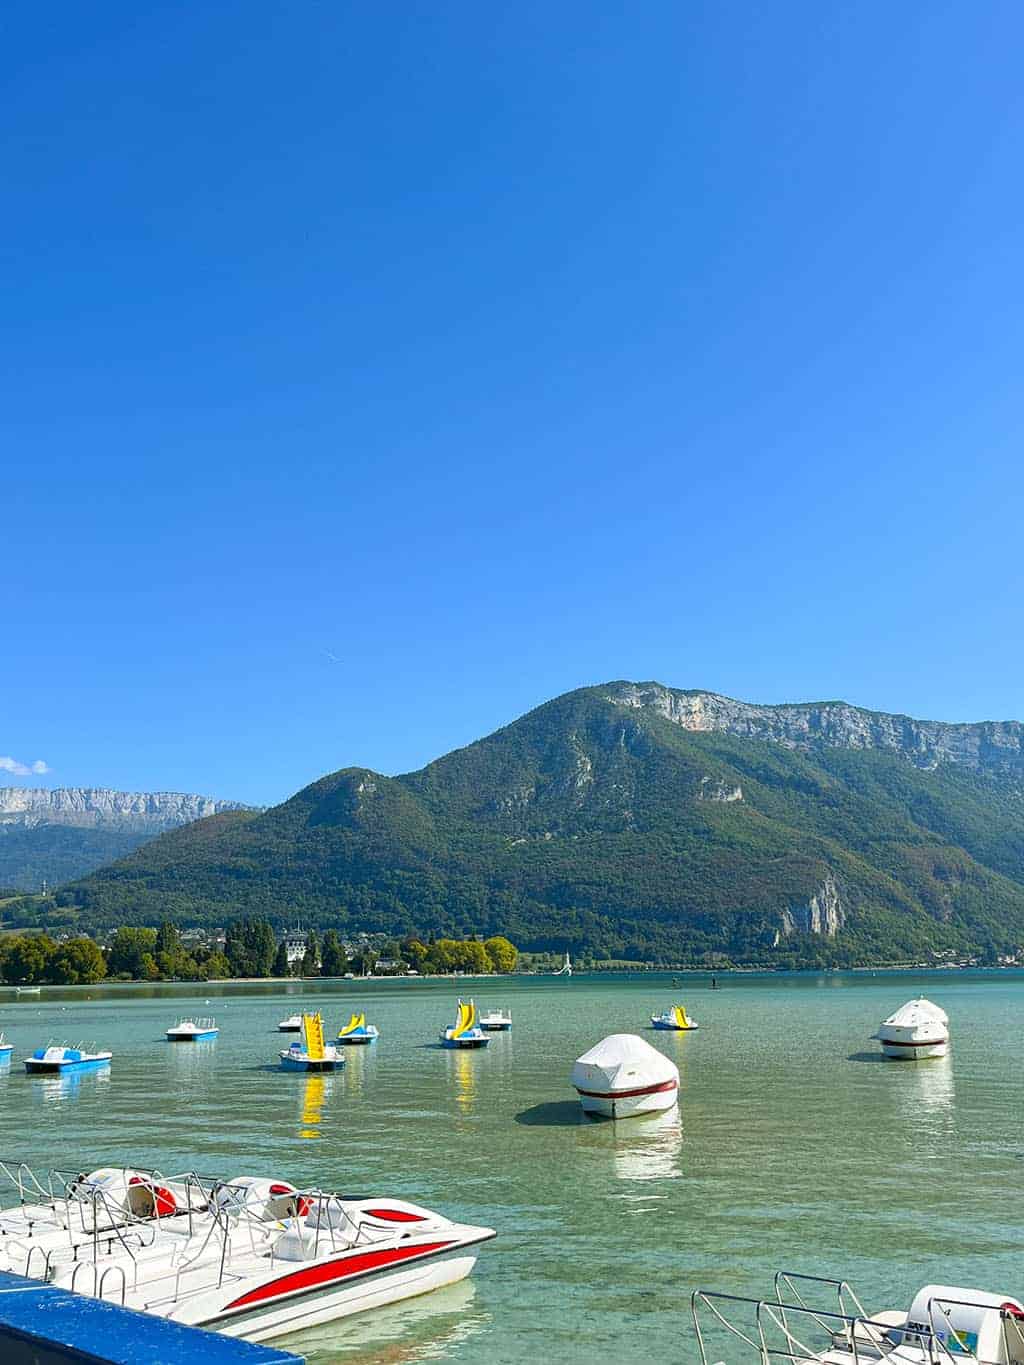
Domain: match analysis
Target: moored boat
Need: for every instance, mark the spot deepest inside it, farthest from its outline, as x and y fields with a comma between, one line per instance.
x=62, y=1060
x=496, y=1021
x=312, y=1053
x=811, y=1319
x=357, y=1032
x=675, y=1019
x=6, y=1049
x=916, y=1030
x=192, y=1031
x=293, y=1024
x=622, y=1076
x=465, y=1032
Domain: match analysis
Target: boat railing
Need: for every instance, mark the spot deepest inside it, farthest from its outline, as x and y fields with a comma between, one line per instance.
x=771, y=1336
x=792, y=1280
x=941, y=1324
x=23, y=1178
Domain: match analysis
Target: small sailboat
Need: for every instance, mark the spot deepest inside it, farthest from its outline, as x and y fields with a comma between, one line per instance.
x=192, y=1031
x=293, y=1024
x=496, y=1021
x=312, y=1054
x=358, y=1031
x=62, y=1060
x=6, y=1049
x=675, y=1019
x=566, y=968
x=465, y=1032
x=918, y=1029
x=28, y=990
x=622, y=1076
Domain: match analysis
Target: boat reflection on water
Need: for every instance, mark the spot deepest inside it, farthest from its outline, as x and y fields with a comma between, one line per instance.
x=925, y=1097
x=649, y=1148
x=357, y=1060
x=55, y=1089
x=427, y=1328
x=313, y=1097
x=462, y=1065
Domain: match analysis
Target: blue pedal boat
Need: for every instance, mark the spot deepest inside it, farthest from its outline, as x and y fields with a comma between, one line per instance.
x=465, y=1032
x=62, y=1061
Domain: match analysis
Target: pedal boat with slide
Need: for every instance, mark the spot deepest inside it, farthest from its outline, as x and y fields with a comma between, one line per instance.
x=258, y=1268
x=312, y=1053
x=465, y=1032
x=60, y=1060
x=357, y=1032
x=623, y=1076
x=676, y=1019
x=815, y=1321
x=192, y=1031
x=917, y=1030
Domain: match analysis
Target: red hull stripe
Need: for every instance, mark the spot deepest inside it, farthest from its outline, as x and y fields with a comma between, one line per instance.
x=628, y=1094
x=395, y=1215
x=924, y=1042
x=335, y=1270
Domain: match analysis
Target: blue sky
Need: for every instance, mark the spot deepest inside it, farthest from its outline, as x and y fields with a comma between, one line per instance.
x=377, y=372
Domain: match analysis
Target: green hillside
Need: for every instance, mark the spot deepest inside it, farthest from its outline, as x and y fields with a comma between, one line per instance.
x=591, y=823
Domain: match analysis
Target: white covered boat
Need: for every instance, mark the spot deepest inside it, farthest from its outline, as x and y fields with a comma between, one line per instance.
x=917, y=1029
x=623, y=1076
x=293, y=1024
x=809, y=1319
x=496, y=1021
x=192, y=1031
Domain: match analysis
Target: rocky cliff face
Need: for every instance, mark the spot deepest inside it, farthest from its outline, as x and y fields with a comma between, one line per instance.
x=98, y=808
x=987, y=746
x=824, y=913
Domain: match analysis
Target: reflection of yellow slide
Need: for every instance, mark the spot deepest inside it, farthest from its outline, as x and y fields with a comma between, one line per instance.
x=357, y=1021
x=466, y=1019
x=313, y=1036
x=679, y=1017
x=312, y=1103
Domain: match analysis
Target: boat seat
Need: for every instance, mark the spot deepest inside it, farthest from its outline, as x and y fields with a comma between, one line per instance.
x=299, y=1242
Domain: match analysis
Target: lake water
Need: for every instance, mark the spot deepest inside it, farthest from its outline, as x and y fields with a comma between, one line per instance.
x=794, y=1146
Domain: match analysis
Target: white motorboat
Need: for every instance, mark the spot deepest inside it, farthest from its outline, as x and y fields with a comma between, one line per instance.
x=918, y=1029
x=257, y=1270
x=61, y=1060
x=810, y=1319
x=293, y=1024
x=192, y=1031
x=622, y=1076
x=496, y=1021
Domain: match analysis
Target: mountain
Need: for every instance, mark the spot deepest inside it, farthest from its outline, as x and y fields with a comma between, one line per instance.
x=635, y=820
x=55, y=834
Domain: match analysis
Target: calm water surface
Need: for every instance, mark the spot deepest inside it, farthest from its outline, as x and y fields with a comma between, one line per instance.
x=793, y=1146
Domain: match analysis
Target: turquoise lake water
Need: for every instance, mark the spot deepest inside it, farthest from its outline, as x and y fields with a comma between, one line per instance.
x=794, y=1146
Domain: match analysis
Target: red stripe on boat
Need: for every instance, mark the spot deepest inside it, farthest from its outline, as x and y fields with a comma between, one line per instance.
x=335, y=1270
x=628, y=1094
x=396, y=1215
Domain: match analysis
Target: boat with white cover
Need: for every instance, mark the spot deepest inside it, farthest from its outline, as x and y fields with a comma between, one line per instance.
x=816, y=1320
x=622, y=1076
x=496, y=1021
x=62, y=1060
x=192, y=1031
x=257, y=1270
x=917, y=1029
x=293, y=1024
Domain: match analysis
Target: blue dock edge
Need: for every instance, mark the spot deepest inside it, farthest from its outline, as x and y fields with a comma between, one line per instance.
x=43, y=1325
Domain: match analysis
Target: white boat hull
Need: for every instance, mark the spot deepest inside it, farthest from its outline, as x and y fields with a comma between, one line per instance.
x=629, y=1106
x=902, y=1049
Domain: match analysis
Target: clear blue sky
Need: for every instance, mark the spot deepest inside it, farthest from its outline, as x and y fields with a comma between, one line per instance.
x=376, y=372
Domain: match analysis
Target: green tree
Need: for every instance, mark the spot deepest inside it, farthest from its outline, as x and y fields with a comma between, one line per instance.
x=168, y=940
x=216, y=966
x=502, y=953
x=27, y=958
x=149, y=969
x=78, y=962
x=333, y=959
x=474, y=957
x=127, y=949
x=282, y=967
x=311, y=957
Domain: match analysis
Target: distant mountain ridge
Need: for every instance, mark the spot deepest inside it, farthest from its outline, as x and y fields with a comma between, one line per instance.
x=639, y=821
x=53, y=834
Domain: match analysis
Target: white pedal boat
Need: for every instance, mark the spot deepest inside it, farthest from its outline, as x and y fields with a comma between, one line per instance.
x=293, y=1024
x=248, y=1275
x=622, y=1076
x=61, y=1061
x=496, y=1021
x=811, y=1319
x=917, y=1029
x=192, y=1031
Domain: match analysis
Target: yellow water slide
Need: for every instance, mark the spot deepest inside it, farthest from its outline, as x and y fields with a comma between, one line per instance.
x=357, y=1021
x=466, y=1019
x=679, y=1016
x=313, y=1036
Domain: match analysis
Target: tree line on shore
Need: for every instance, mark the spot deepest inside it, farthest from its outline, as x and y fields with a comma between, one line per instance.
x=250, y=949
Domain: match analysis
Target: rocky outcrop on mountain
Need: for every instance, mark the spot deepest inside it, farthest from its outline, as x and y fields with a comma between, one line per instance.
x=823, y=913
x=985, y=746
x=100, y=808
x=712, y=790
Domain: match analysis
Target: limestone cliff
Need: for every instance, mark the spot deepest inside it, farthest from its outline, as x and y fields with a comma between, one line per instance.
x=100, y=808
